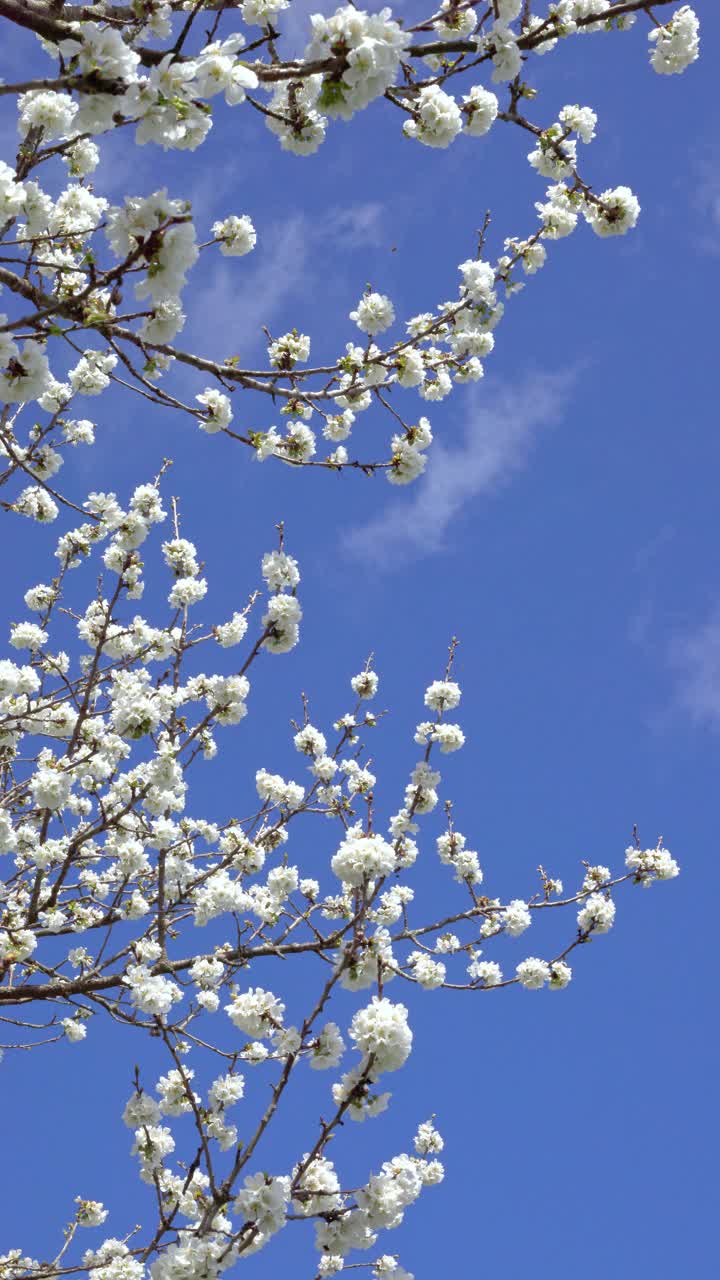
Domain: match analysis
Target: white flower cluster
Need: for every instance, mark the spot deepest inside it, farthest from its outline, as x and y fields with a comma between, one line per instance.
x=283, y=615
x=236, y=236
x=276, y=791
x=287, y=351
x=487, y=973
x=374, y=313
x=368, y=47
x=515, y=919
x=436, y=120
x=616, y=212
x=651, y=864
x=151, y=993
x=160, y=233
x=365, y=685
x=676, y=44
x=257, y=1012
x=442, y=695
x=428, y=973
x=534, y=974
x=597, y=915
x=555, y=155
x=449, y=737
x=451, y=850
x=409, y=459
x=363, y=857
x=381, y=1033
x=263, y=1202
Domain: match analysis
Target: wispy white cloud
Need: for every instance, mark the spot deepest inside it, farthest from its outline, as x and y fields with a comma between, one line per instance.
x=238, y=300
x=500, y=430
x=706, y=198
x=696, y=658
x=356, y=226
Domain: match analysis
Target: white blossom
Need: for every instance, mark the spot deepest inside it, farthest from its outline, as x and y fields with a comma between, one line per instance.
x=256, y=1012
x=617, y=212
x=362, y=857
x=597, y=915
x=237, y=235
x=437, y=119
x=532, y=973
x=381, y=1033
x=516, y=918
x=374, y=313
x=676, y=44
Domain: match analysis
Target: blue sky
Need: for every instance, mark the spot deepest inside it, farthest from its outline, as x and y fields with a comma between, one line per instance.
x=566, y=532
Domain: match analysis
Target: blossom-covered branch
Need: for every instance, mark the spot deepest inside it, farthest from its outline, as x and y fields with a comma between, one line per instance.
x=122, y=910
x=120, y=905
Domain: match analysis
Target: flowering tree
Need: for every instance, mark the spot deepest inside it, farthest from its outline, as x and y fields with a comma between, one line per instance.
x=116, y=904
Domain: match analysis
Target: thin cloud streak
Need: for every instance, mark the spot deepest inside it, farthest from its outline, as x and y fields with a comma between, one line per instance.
x=356, y=226
x=706, y=199
x=500, y=431
x=241, y=297
x=238, y=301
x=696, y=657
